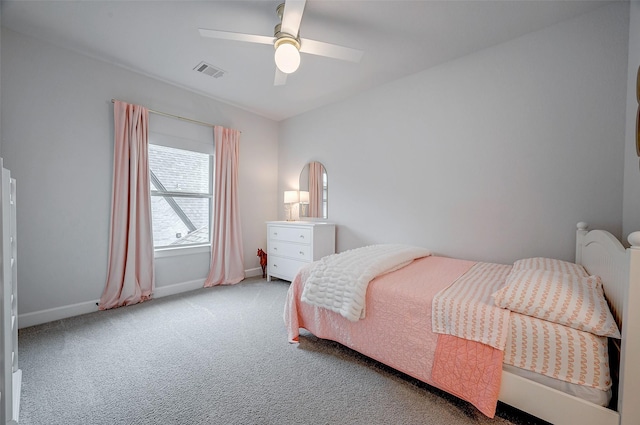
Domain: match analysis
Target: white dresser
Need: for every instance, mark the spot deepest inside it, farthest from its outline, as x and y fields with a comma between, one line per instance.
x=292, y=244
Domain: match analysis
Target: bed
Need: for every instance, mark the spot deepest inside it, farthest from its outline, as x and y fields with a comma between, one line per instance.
x=410, y=349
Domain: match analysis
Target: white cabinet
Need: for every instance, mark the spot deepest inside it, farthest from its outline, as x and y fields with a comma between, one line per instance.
x=293, y=244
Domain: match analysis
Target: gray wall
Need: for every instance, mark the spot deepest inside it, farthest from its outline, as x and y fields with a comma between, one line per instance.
x=494, y=156
x=631, y=216
x=57, y=128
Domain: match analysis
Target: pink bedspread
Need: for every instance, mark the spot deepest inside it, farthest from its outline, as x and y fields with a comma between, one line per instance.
x=469, y=370
x=397, y=328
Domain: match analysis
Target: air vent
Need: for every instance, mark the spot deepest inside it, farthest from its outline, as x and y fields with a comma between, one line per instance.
x=209, y=70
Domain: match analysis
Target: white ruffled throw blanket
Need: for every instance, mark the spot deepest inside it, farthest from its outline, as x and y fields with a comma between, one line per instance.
x=339, y=282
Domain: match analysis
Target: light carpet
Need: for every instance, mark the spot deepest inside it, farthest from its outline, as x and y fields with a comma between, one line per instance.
x=216, y=356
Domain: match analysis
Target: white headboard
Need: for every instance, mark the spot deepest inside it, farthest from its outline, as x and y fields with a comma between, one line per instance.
x=619, y=268
x=603, y=255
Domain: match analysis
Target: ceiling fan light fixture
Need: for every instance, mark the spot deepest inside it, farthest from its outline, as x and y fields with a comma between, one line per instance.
x=287, y=54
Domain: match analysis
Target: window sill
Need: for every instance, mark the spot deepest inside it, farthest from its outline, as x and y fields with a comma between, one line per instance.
x=181, y=250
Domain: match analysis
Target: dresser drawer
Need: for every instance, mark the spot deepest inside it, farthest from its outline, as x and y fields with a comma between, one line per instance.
x=290, y=250
x=294, y=244
x=290, y=234
x=284, y=268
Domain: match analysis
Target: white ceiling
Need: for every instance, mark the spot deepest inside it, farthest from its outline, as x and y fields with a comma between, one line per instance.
x=399, y=38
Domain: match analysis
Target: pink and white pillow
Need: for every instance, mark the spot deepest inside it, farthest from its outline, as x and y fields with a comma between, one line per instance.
x=550, y=264
x=566, y=299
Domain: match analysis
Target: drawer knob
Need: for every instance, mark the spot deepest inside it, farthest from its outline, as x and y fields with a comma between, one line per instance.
x=301, y=252
x=275, y=266
x=302, y=236
x=275, y=233
x=275, y=248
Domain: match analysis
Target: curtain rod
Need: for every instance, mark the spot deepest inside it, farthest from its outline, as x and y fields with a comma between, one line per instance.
x=173, y=116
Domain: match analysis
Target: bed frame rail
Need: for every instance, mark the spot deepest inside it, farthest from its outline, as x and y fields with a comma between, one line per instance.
x=552, y=405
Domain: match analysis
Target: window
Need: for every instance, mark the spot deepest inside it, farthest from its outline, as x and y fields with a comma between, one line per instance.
x=181, y=196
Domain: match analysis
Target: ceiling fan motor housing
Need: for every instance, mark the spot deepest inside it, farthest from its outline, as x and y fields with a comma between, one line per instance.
x=278, y=34
x=282, y=38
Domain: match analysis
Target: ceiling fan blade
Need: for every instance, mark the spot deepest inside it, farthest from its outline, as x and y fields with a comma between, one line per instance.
x=320, y=48
x=280, y=79
x=292, y=16
x=236, y=36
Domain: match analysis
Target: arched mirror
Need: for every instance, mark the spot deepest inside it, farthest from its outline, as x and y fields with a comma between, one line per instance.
x=314, y=192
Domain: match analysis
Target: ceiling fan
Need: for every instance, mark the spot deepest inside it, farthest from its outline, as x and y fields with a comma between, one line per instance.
x=287, y=42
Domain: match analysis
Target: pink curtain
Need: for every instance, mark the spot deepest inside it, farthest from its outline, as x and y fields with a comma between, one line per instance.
x=227, y=258
x=130, y=275
x=315, y=189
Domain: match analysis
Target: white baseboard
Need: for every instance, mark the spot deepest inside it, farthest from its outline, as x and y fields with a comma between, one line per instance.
x=44, y=316
x=253, y=272
x=177, y=288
